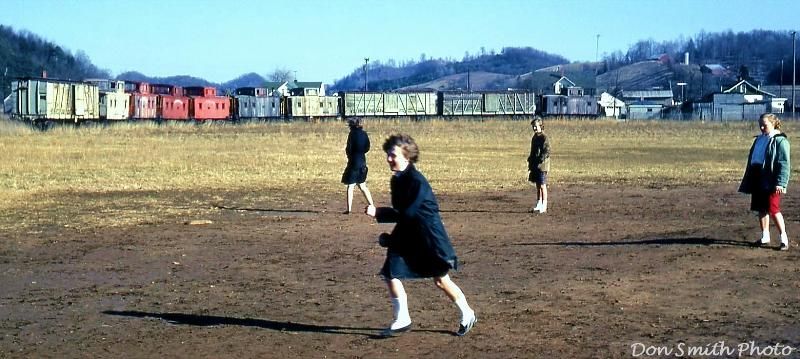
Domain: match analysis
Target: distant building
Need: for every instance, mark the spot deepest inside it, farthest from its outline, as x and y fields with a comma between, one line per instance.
x=611, y=106
x=277, y=88
x=742, y=101
x=308, y=88
x=561, y=85
x=663, y=97
x=645, y=110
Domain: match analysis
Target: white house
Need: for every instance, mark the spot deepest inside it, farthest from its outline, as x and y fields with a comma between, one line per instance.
x=612, y=106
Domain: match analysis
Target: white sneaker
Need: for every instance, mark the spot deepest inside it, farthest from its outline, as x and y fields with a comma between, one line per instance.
x=543, y=208
x=784, y=242
x=538, y=207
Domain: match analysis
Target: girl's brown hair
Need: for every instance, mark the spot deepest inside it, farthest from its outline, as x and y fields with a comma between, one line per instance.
x=406, y=143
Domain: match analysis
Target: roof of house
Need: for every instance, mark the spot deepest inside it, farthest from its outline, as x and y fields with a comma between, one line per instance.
x=274, y=84
x=302, y=84
x=748, y=89
x=566, y=80
x=647, y=94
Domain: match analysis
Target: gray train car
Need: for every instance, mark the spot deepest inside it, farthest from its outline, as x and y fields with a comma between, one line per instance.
x=509, y=103
x=487, y=103
x=460, y=103
x=306, y=103
x=388, y=103
x=254, y=103
x=42, y=99
x=559, y=105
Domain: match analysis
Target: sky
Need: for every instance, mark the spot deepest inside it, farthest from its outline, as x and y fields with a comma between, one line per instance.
x=326, y=40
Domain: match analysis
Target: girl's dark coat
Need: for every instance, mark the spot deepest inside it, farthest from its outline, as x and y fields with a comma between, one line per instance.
x=356, y=150
x=419, y=246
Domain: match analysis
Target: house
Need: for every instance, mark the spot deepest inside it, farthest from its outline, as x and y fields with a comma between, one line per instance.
x=561, y=85
x=645, y=110
x=611, y=106
x=277, y=88
x=663, y=97
x=753, y=94
x=742, y=101
x=308, y=88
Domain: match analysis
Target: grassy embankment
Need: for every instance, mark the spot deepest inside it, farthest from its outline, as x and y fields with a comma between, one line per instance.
x=129, y=174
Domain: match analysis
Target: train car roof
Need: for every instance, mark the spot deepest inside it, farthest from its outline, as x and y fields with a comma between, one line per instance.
x=49, y=79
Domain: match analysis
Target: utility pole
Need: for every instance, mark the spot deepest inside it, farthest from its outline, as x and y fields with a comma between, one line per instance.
x=780, y=89
x=794, y=72
x=366, y=73
x=596, y=55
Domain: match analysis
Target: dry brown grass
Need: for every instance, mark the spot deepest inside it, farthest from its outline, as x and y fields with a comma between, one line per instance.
x=128, y=174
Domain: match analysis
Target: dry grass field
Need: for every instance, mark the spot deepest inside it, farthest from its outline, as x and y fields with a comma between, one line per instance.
x=137, y=172
x=645, y=246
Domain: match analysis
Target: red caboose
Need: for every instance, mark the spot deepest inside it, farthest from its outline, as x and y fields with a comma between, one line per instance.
x=172, y=104
x=204, y=104
x=143, y=102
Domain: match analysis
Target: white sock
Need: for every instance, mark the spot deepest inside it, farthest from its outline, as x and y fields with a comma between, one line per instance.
x=544, y=205
x=765, y=236
x=784, y=238
x=466, y=312
x=538, y=204
x=401, y=316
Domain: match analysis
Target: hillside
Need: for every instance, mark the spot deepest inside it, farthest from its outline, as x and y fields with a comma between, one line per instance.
x=25, y=54
x=451, y=74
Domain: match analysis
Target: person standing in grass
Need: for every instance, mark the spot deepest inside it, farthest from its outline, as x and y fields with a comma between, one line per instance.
x=356, y=171
x=419, y=246
x=539, y=164
x=766, y=177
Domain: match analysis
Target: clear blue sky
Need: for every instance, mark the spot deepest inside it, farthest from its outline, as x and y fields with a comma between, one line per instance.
x=326, y=40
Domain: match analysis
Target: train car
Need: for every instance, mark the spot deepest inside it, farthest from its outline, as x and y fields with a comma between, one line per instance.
x=114, y=102
x=388, y=104
x=509, y=103
x=256, y=103
x=204, y=104
x=171, y=104
x=458, y=103
x=143, y=102
x=560, y=105
x=43, y=99
x=306, y=103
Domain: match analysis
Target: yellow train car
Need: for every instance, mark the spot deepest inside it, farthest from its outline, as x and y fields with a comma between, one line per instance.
x=114, y=101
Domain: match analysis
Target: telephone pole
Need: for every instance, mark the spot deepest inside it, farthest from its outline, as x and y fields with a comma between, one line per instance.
x=794, y=72
x=366, y=73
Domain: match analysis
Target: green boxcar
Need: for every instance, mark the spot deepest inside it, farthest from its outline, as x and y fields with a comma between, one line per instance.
x=388, y=104
x=58, y=100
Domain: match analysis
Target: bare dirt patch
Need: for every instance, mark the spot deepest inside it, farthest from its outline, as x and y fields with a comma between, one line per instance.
x=606, y=267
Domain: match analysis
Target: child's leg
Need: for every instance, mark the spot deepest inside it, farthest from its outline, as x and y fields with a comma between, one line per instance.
x=457, y=296
x=399, y=304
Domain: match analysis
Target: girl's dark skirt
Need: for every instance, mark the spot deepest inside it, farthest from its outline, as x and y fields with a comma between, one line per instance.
x=355, y=174
x=413, y=267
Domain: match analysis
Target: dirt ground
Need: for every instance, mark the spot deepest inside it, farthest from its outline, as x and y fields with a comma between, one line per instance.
x=606, y=268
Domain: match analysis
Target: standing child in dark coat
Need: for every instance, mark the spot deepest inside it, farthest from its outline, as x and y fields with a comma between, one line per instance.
x=356, y=171
x=418, y=247
x=539, y=164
